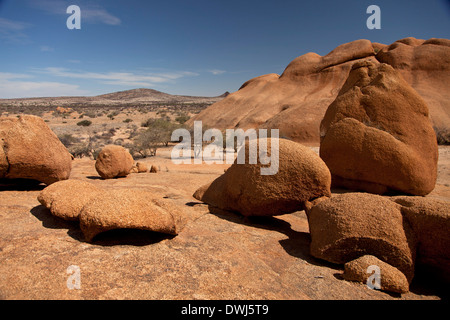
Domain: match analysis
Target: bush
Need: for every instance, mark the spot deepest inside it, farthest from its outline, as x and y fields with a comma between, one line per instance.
x=182, y=118
x=68, y=140
x=84, y=123
x=128, y=120
x=442, y=136
x=113, y=114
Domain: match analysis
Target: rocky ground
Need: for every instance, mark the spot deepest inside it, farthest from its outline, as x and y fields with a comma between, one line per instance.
x=218, y=254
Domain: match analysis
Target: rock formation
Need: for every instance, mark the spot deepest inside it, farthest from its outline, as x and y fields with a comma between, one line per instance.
x=301, y=176
x=114, y=161
x=390, y=278
x=425, y=65
x=347, y=226
x=30, y=150
x=376, y=136
x=296, y=101
x=430, y=220
x=141, y=167
x=65, y=199
x=128, y=208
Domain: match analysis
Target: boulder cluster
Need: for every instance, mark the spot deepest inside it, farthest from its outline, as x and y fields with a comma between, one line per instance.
x=376, y=138
x=100, y=210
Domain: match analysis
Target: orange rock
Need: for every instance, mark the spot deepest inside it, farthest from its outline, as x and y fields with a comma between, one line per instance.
x=301, y=176
x=129, y=209
x=391, y=279
x=114, y=161
x=296, y=101
x=376, y=136
x=65, y=199
x=347, y=226
x=141, y=167
x=30, y=150
x=425, y=65
x=430, y=220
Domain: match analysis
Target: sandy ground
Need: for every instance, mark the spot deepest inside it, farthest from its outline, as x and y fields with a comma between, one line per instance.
x=218, y=255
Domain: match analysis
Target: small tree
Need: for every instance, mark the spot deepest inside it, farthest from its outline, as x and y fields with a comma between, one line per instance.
x=68, y=140
x=157, y=134
x=84, y=123
x=181, y=119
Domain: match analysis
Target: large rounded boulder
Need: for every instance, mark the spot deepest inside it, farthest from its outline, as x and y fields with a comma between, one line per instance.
x=30, y=150
x=65, y=199
x=114, y=161
x=129, y=209
x=430, y=220
x=300, y=176
x=347, y=226
x=377, y=136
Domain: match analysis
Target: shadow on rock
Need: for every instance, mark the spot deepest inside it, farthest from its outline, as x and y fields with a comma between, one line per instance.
x=94, y=178
x=297, y=244
x=428, y=281
x=50, y=221
x=132, y=237
x=21, y=185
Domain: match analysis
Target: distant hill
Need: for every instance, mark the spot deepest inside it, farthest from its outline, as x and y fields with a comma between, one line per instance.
x=128, y=97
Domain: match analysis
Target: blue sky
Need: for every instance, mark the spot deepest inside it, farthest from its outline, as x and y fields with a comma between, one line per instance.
x=182, y=46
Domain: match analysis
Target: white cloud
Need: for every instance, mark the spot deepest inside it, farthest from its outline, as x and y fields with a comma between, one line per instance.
x=216, y=71
x=12, y=31
x=46, y=49
x=14, y=85
x=119, y=78
x=99, y=15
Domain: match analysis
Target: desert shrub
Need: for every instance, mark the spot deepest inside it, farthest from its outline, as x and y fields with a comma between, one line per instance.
x=145, y=144
x=158, y=134
x=68, y=140
x=81, y=150
x=84, y=123
x=182, y=118
x=442, y=135
x=113, y=114
x=89, y=114
x=119, y=142
x=128, y=120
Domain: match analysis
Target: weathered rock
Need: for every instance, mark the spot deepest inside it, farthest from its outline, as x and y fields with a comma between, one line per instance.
x=350, y=225
x=430, y=220
x=425, y=65
x=114, y=161
x=30, y=150
x=129, y=209
x=301, y=176
x=153, y=169
x=391, y=279
x=65, y=199
x=141, y=167
x=294, y=102
x=376, y=136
